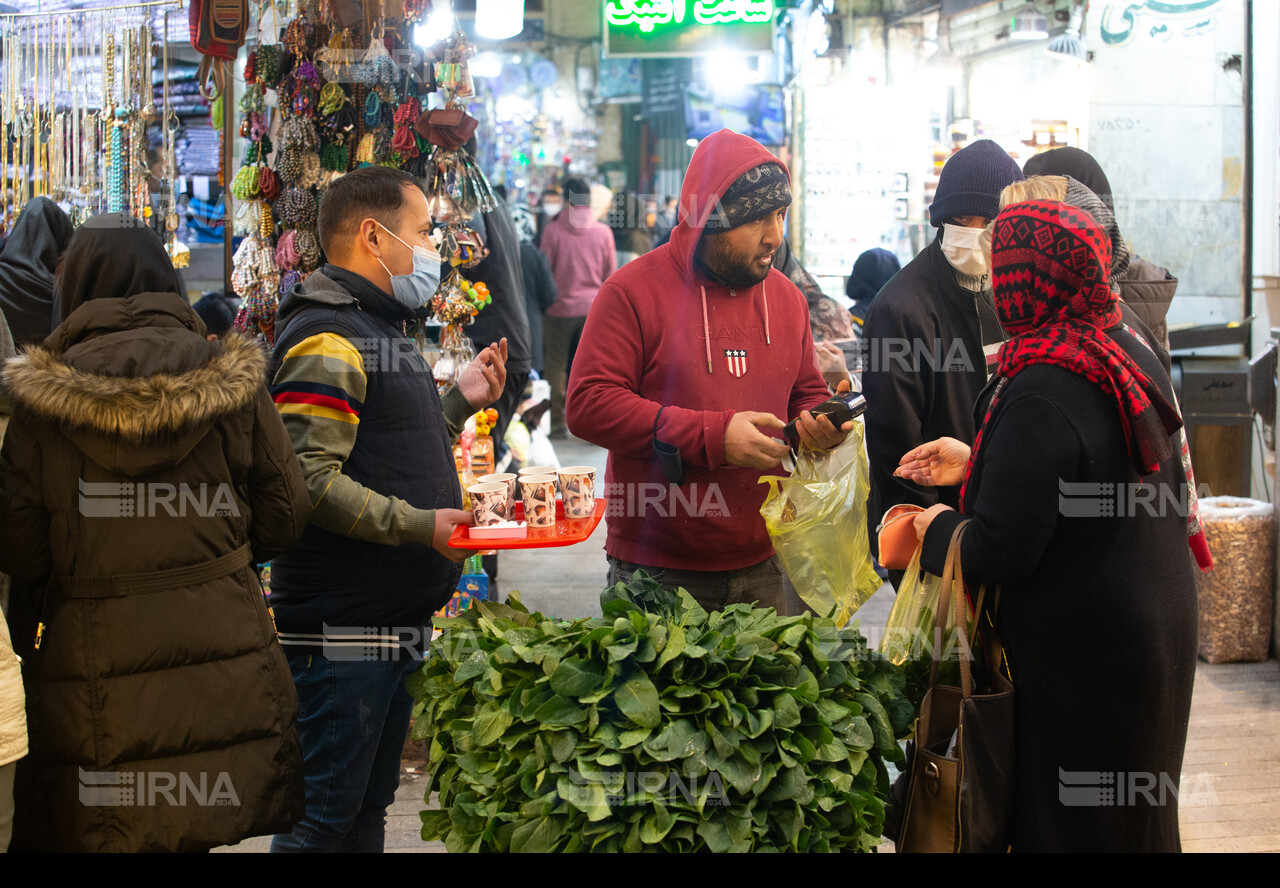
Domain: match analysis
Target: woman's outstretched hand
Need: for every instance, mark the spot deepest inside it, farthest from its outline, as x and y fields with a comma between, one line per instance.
x=939, y=463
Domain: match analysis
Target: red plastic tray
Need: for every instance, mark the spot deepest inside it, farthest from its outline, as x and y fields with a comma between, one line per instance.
x=566, y=532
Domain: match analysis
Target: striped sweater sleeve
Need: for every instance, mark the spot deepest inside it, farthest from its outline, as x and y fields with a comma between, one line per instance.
x=319, y=391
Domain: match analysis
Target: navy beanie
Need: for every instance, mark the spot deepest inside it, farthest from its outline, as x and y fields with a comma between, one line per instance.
x=971, y=183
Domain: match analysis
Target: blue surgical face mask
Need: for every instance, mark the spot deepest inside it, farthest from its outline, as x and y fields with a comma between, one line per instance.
x=414, y=290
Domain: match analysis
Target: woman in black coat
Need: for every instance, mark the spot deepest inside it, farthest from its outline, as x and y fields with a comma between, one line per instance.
x=143, y=474
x=1078, y=505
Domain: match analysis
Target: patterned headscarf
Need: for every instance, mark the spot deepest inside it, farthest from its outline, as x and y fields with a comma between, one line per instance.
x=1050, y=266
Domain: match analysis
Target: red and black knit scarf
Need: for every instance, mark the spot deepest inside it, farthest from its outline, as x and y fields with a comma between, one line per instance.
x=1050, y=265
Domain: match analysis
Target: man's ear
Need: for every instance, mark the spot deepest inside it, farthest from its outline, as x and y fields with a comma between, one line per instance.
x=369, y=237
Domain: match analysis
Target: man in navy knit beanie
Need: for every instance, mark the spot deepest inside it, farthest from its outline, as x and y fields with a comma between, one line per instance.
x=931, y=336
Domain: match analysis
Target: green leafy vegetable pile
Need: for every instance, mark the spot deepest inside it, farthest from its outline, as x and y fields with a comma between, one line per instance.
x=659, y=726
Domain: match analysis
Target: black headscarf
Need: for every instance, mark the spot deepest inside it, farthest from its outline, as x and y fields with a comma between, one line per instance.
x=27, y=264
x=113, y=256
x=1075, y=163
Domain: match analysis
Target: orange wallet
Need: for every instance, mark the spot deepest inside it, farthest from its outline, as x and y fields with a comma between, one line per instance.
x=897, y=536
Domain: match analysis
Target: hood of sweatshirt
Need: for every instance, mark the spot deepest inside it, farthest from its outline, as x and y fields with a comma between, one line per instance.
x=717, y=163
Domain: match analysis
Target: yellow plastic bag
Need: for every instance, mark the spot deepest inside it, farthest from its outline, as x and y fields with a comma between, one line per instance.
x=817, y=519
x=908, y=635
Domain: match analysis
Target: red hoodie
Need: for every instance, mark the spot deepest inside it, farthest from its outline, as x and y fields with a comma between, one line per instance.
x=660, y=333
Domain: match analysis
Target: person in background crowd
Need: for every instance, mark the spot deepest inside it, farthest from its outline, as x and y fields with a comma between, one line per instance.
x=134, y=608
x=27, y=264
x=871, y=271
x=374, y=441
x=218, y=313
x=549, y=209
x=539, y=286
x=827, y=320
x=521, y=216
x=668, y=216
x=650, y=216
x=1146, y=287
x=601, y=201
x=1079, y=400
x=703, y=345
x=932, y=333
x=626, y=219
x=582, y=255
x=539, y=295
x=505, y=317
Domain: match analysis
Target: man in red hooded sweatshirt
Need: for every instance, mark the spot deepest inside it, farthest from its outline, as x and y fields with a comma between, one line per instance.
x=699, y=348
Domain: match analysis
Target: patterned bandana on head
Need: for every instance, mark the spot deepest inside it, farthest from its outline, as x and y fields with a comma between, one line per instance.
x=759, y=191
x=1050, y=264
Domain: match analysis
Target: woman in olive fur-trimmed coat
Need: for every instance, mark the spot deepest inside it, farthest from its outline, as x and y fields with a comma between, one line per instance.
x=144, y=471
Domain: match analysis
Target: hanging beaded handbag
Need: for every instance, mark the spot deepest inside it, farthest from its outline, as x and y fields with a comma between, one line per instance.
x=300, y=132
x=268, y=183
x=268, y=65
x=308, y=246
x=245, y=184
x=372, y=109
x=288, y=281
x=311, y=170
x=298, y=208
x=286, y=252
x=289, y=166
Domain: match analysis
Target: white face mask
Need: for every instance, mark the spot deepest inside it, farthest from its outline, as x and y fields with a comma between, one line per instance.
x=551, y=209
x=967, y=249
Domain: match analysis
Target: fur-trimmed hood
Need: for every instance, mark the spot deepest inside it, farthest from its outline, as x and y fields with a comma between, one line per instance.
x=133, y=382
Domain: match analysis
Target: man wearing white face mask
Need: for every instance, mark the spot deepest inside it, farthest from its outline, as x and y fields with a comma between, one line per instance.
x=353, y=598
x=932, y=334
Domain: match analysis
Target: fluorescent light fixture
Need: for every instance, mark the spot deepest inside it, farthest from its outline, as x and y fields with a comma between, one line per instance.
x=499, y=19
x=1029, y=24
x=692, y=143
x=1069, y=44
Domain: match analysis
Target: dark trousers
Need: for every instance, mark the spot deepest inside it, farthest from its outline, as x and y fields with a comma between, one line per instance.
x=559, y=335
x=353, y=717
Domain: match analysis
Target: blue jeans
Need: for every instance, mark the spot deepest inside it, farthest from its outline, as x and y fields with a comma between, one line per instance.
x=353, y=718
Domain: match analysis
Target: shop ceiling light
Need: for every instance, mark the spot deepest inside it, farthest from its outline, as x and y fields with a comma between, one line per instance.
x=499, y=19
x=1029, y=24
x=1069, y=44
x=437, y=27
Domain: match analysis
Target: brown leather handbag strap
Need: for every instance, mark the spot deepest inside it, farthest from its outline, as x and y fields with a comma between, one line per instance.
x=944, y=601
x=994, y=647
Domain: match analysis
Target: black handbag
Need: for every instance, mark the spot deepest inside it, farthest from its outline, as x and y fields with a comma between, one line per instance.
x=959, y=779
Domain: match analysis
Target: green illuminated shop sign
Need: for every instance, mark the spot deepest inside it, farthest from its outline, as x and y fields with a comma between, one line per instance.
x=687, y=27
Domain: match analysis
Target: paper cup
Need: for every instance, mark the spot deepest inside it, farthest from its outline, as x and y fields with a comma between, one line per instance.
x=539, y=492
x=513, y=490
x=489, y=502
x=578, y=489
x=540, y=470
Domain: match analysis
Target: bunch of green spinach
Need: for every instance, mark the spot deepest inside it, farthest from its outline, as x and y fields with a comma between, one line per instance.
x=659, y=726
